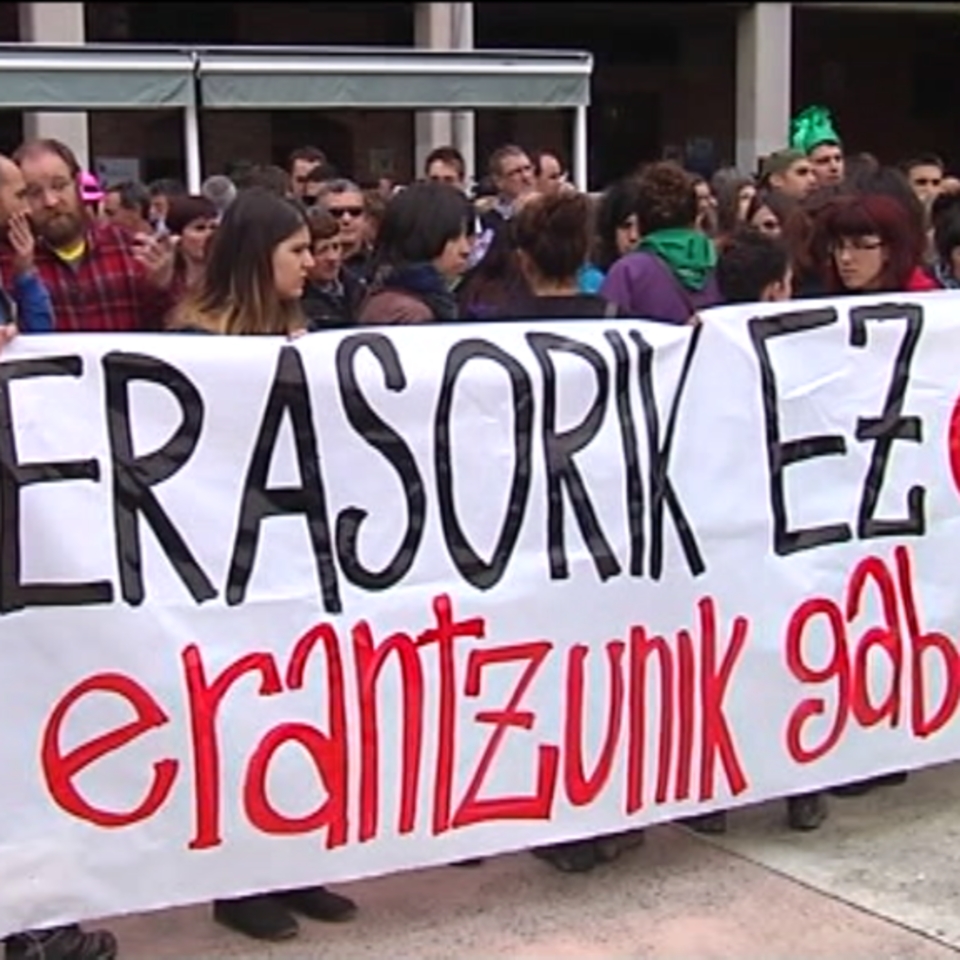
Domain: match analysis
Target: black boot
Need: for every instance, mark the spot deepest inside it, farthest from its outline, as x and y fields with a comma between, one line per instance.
x=806, y=811
x=892, y=779
x=860, y=787
x=856, y=789
x=577, y=856
x=319, y=903
x=581, y=856
x=260, y=917
x=710, y=824
x=62, y=943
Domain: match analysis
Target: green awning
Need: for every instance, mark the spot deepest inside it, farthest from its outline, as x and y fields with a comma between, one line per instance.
x=131, y=77
x=392, y=78
x=35, y=77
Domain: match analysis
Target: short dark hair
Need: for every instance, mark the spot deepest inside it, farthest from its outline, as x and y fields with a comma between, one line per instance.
x=339, y=185
x=419, y=222
x=945, y=215
x=501, y=154
x=187, y=209
x=448, y=155
x=309, y=153
x=168, y=187
x=617, y=204
x=322, y=223
x=922, y=160
x=133, y=196
x=538, y=156
x=374, y=204
x=323, y=172
x=269, y=177
x=748, y=263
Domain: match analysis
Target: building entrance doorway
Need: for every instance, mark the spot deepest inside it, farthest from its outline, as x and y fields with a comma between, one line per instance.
x=625, y=131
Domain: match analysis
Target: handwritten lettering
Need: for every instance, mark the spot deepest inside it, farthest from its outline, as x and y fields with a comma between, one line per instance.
x=697, y=673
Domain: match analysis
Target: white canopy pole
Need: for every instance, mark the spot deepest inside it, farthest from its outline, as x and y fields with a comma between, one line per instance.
x=191, y=133
x=581, y=174
x=191, y=142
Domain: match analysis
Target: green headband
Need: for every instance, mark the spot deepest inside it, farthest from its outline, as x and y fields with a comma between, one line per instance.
x=812, y=127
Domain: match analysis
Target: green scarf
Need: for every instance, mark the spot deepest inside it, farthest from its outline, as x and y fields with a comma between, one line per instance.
x=689, y=253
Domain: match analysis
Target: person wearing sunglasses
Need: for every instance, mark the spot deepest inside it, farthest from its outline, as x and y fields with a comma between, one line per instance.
x=344, y=201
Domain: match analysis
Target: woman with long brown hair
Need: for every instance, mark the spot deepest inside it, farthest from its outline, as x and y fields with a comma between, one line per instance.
x=256, y=271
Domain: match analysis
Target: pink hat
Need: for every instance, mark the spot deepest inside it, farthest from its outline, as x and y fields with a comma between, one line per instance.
x=90, y=189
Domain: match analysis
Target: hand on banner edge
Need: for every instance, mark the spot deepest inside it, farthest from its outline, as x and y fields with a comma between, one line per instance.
x=7, y=333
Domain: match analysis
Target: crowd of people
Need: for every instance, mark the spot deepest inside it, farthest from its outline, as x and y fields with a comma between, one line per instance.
x=263, y=250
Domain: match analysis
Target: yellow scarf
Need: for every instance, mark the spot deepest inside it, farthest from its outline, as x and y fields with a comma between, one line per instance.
x=73, y=253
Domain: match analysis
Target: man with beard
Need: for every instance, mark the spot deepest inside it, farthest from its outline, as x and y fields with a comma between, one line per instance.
x=25, y=303
x=99, y=278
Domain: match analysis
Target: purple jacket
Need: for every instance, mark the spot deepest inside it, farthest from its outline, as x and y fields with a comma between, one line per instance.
x=643, y=286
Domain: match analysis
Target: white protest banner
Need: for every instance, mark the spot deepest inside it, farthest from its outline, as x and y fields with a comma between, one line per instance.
x=282, y=613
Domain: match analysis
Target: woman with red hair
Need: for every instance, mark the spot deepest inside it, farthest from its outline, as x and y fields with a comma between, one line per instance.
x=870, y=245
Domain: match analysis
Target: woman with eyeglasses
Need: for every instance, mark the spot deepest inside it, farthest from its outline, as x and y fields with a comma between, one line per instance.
x=870, y=245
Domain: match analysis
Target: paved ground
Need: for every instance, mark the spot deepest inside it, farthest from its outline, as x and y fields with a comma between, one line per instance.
x=879, y=881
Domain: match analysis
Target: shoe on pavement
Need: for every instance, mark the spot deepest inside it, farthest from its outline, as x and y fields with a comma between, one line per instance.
x=62, y=943
x=806, y=811
x=260, y=917
x=709, y=824
x=861, y=787
x=319, y=903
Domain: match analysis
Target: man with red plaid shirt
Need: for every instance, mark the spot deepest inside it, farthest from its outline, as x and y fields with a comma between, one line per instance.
x=99, y=279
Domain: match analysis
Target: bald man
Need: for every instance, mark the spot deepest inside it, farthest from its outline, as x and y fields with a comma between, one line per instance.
x=24, y=300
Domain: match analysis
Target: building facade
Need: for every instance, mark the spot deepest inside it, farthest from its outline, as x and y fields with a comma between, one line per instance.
x=714, y=84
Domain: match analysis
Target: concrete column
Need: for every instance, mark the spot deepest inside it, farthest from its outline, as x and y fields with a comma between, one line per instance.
x=56, y=23
x=444, y=26
x=763, y=81
x=464, y=121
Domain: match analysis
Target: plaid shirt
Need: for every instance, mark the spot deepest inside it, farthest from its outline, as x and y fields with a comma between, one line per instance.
x=106, y=290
